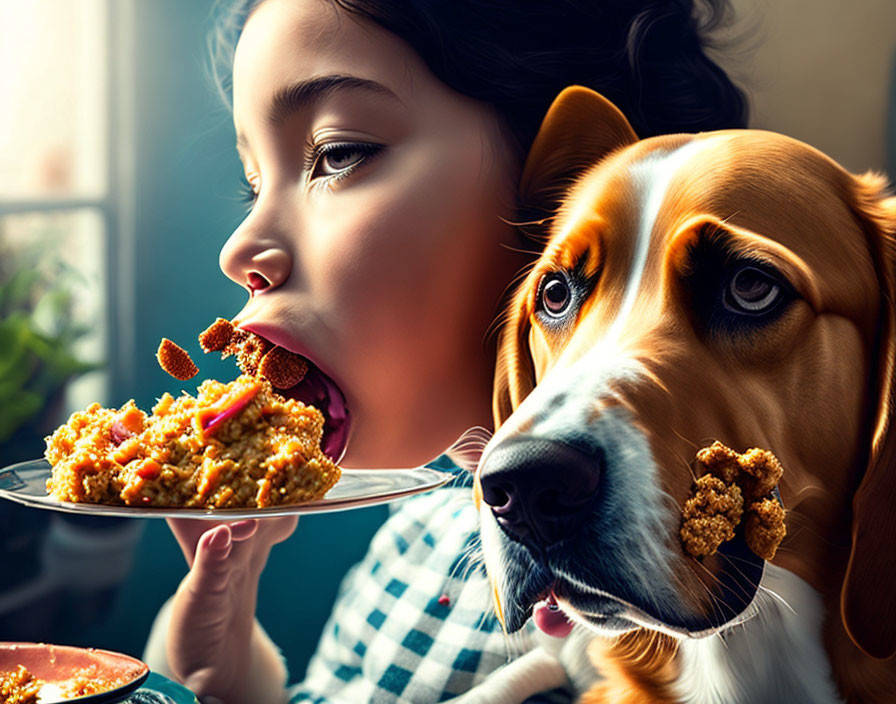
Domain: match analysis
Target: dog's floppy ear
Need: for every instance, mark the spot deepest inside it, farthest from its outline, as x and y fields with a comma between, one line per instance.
x=580, y=128
x=868, y=598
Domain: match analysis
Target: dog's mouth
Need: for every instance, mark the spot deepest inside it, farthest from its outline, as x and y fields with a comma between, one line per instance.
x=549, y=617
x=557, y=600
x=556, y=609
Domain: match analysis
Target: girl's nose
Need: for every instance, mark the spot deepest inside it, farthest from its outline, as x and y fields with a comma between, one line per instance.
x=255, y=261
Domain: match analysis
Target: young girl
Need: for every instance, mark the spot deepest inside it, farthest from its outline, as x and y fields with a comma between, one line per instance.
x=382, y=141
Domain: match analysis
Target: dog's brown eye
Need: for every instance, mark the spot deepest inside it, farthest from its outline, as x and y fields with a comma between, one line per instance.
x=751, y=291
x=555, y=295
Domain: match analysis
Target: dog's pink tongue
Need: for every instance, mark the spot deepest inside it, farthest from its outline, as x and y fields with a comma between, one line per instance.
x=550, y=619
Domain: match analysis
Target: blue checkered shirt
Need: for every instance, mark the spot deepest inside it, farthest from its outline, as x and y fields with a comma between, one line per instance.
x=413, y=621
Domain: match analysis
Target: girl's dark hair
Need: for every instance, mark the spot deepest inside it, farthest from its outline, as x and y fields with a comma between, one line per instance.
x=647, y=56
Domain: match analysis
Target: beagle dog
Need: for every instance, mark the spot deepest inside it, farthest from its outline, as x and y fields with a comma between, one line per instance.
x=735, y=286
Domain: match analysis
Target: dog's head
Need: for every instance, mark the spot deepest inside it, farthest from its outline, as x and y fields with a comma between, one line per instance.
x=734, y=286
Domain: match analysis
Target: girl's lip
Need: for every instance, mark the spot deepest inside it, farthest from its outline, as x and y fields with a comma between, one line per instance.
x=277, y=336
x=280, y=337
x=318, y=389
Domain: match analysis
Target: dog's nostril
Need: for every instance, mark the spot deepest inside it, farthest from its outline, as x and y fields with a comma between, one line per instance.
x=497, y=497
x=540, y=491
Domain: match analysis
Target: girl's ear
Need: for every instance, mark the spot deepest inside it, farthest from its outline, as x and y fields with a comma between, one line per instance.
x=581, y=128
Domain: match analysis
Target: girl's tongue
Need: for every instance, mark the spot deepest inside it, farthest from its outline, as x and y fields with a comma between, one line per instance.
x=550, y=619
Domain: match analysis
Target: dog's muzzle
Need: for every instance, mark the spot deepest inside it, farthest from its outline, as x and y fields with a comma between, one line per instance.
x=540, y=490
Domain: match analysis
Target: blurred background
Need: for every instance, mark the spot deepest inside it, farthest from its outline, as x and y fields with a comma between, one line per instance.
x=119, y=184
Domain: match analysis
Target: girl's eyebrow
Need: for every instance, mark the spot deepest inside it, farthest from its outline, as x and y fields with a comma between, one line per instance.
x=294, y=97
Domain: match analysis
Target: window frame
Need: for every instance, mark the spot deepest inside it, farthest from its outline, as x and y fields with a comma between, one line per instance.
x=116, y=205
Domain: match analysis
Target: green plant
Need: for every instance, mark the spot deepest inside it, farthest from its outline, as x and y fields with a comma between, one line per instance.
x=37, y=335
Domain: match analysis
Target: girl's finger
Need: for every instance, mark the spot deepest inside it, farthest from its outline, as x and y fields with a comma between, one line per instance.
x=188, y=531
x=210, y=570
x=243, y=530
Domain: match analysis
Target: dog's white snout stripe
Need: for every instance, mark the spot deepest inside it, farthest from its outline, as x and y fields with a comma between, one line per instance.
x=652, y=176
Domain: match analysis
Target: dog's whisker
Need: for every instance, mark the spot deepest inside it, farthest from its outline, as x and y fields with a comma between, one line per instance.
x=780, y=599
x=721, y=640
x=714, y=600
x=519, y=250
x=745, y=585
x=525, y=223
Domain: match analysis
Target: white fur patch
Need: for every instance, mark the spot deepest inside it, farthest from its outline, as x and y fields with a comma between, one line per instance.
x=774, y=656
x=652, y=176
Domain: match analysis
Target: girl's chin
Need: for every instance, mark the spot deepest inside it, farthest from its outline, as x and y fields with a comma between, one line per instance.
x=366, y=452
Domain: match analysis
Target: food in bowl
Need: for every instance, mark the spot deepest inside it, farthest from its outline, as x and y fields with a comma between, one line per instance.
x=20, y=686
x=45, y=673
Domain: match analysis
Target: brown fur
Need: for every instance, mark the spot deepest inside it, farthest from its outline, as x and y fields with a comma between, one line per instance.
x=637, y=668
x=834, y=439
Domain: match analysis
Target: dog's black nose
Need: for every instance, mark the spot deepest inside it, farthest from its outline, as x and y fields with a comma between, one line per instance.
x=540, y=490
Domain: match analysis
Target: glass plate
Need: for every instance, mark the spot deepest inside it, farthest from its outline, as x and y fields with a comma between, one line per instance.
x=26, y=483
x=57, y=664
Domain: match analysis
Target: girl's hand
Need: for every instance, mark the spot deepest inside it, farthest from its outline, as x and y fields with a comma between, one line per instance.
x=213, y=610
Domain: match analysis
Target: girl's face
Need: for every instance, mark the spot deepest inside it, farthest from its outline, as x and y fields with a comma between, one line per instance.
x=376, y=245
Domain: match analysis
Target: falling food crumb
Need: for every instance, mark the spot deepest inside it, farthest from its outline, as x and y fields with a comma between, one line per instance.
x=254, y=354
x=216, y=336
x=175, y=360
x=444, y=600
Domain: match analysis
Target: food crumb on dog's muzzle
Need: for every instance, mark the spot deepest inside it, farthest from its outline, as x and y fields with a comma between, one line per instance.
x=733, y=487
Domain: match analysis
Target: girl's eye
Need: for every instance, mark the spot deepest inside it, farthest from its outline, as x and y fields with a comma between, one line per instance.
x=555, y=295
x=751, y=291
x=340, y=159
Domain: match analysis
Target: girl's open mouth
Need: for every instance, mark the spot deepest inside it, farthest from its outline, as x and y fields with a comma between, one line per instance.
x=316, y=389
x=319, y=390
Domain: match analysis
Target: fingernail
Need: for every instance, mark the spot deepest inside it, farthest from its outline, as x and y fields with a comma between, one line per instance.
x=220, y=538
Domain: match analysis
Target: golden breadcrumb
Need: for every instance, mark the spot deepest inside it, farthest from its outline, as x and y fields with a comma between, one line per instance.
x=283, y=368
x=710, y=515
x=248, y=348
x=216, y=336
x=720, y=461
x=175, y=360
x=729, y=482
x=254, y=354
x=19, y=687
x=761, y=472
x=764, y=527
